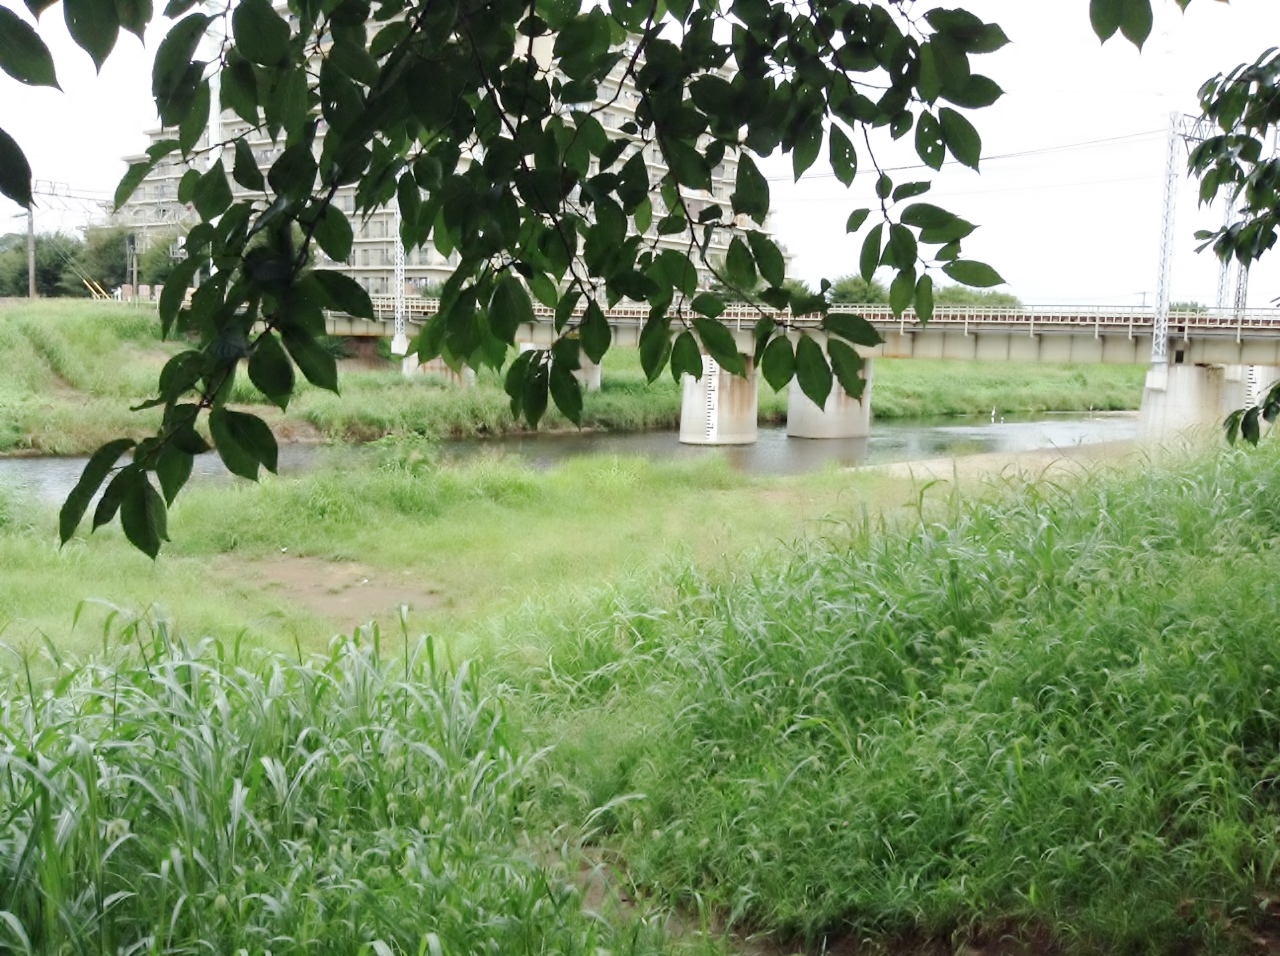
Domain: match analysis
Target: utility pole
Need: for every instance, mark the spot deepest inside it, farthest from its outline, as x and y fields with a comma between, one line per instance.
x=31, y=251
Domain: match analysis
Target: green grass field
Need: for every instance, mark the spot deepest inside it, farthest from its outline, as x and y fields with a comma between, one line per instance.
x=1047, y=714
x=69, y=370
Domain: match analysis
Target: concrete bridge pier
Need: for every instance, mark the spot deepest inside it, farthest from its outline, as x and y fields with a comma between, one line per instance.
x=410, y=368
x=1179, y=398
x=841, y=417
x=588, y=374
x=719, y=408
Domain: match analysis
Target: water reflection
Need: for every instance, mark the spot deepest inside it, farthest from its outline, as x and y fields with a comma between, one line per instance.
x=51, y=479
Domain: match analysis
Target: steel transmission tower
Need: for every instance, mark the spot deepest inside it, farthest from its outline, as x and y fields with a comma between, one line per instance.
x=1189, y=130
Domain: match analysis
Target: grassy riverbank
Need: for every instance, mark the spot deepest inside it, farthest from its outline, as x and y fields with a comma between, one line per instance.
x=70, y=370
x=1049, y=716
x=295, y=559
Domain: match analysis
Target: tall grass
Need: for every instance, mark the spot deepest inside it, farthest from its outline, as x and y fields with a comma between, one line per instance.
x=193, y=798
x=1055, y=715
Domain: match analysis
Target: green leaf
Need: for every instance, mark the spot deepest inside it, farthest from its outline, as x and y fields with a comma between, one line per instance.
x=566, y=392
x=978, y=92
x=655, y=347
x=94, y=25
x=261, y=35
x=243, y=442
x=196, y=120
x=739, y=266
x=930, y=145
x=902, y=291
x=594, y=332
x=924, y=299
x=270, y=370
x=142, y=516
x=132, y=178
x=344, y=294
x=769, y=260
x=719, y=343
x=708, y=304
x=1250, y=430
x=173, y=468
x=173, y=76
x=534, y=400
x=95, y=472
x=246, y=172
x=812, y=371
x=1135, y=21
x=961, y=138
x=212, y=194
x=778, y=363
x=109, y=503
x=848, y=366
x=971, y=273
x=852, y=327
x=333, y=233
x=686, y=357
x=869, y=260
x=239, y=89
x=751, y=195
x=135, y=16
x=925, y=215
x=903, y=249
x=509, y=308
x=15, y=172
x=23, y=54
x=175, y=290
x=314, y=360
x=807, y=146
x=844, y=158
x=856, y=219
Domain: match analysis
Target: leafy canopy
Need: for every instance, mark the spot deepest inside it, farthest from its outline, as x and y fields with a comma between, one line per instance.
x=480, y=120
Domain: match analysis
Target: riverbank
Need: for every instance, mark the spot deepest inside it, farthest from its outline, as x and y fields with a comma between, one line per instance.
x=70, y=370
x=1035, y=719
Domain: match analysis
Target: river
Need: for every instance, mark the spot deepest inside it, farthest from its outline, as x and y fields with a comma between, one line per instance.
x=50, y=479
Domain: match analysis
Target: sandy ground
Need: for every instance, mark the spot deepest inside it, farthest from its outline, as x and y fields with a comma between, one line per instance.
x=1045, y=462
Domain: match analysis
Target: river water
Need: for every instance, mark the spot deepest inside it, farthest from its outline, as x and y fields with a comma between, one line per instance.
x=51, y=479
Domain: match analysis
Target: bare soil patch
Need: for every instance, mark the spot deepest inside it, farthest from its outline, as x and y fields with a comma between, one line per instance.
x=346, y=593
x=1043, y=463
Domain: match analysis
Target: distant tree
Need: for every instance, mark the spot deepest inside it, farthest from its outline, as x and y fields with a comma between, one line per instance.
x=53, y=253
x=158, y=261
x=981, y=298
x=855, y=290
x=103, y=258
x=1188, y=306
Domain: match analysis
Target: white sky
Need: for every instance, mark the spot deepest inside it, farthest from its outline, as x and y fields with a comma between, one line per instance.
x=1079, y=225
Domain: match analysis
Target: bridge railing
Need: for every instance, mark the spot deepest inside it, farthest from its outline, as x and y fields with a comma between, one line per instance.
x=1031, y=317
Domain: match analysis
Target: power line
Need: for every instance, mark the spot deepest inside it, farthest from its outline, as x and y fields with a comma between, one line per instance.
x=1087, y=144
x=948, y=194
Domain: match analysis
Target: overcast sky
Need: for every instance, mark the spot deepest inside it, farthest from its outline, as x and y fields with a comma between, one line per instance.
x=1069, y=197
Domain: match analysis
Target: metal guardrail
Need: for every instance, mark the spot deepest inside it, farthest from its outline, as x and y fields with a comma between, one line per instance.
x=1028, y=317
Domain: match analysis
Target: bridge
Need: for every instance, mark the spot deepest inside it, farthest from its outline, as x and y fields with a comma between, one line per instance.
x=1217, y=359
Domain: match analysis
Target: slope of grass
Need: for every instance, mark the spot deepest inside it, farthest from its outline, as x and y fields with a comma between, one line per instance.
x=1054, y=716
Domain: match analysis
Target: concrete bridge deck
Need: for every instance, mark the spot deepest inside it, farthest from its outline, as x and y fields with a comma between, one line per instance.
x=1216, y=359
x=1083, y=334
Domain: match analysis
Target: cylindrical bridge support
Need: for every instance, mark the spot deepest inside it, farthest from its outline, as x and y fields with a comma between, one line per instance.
x=841, y=417
x=719, y=408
